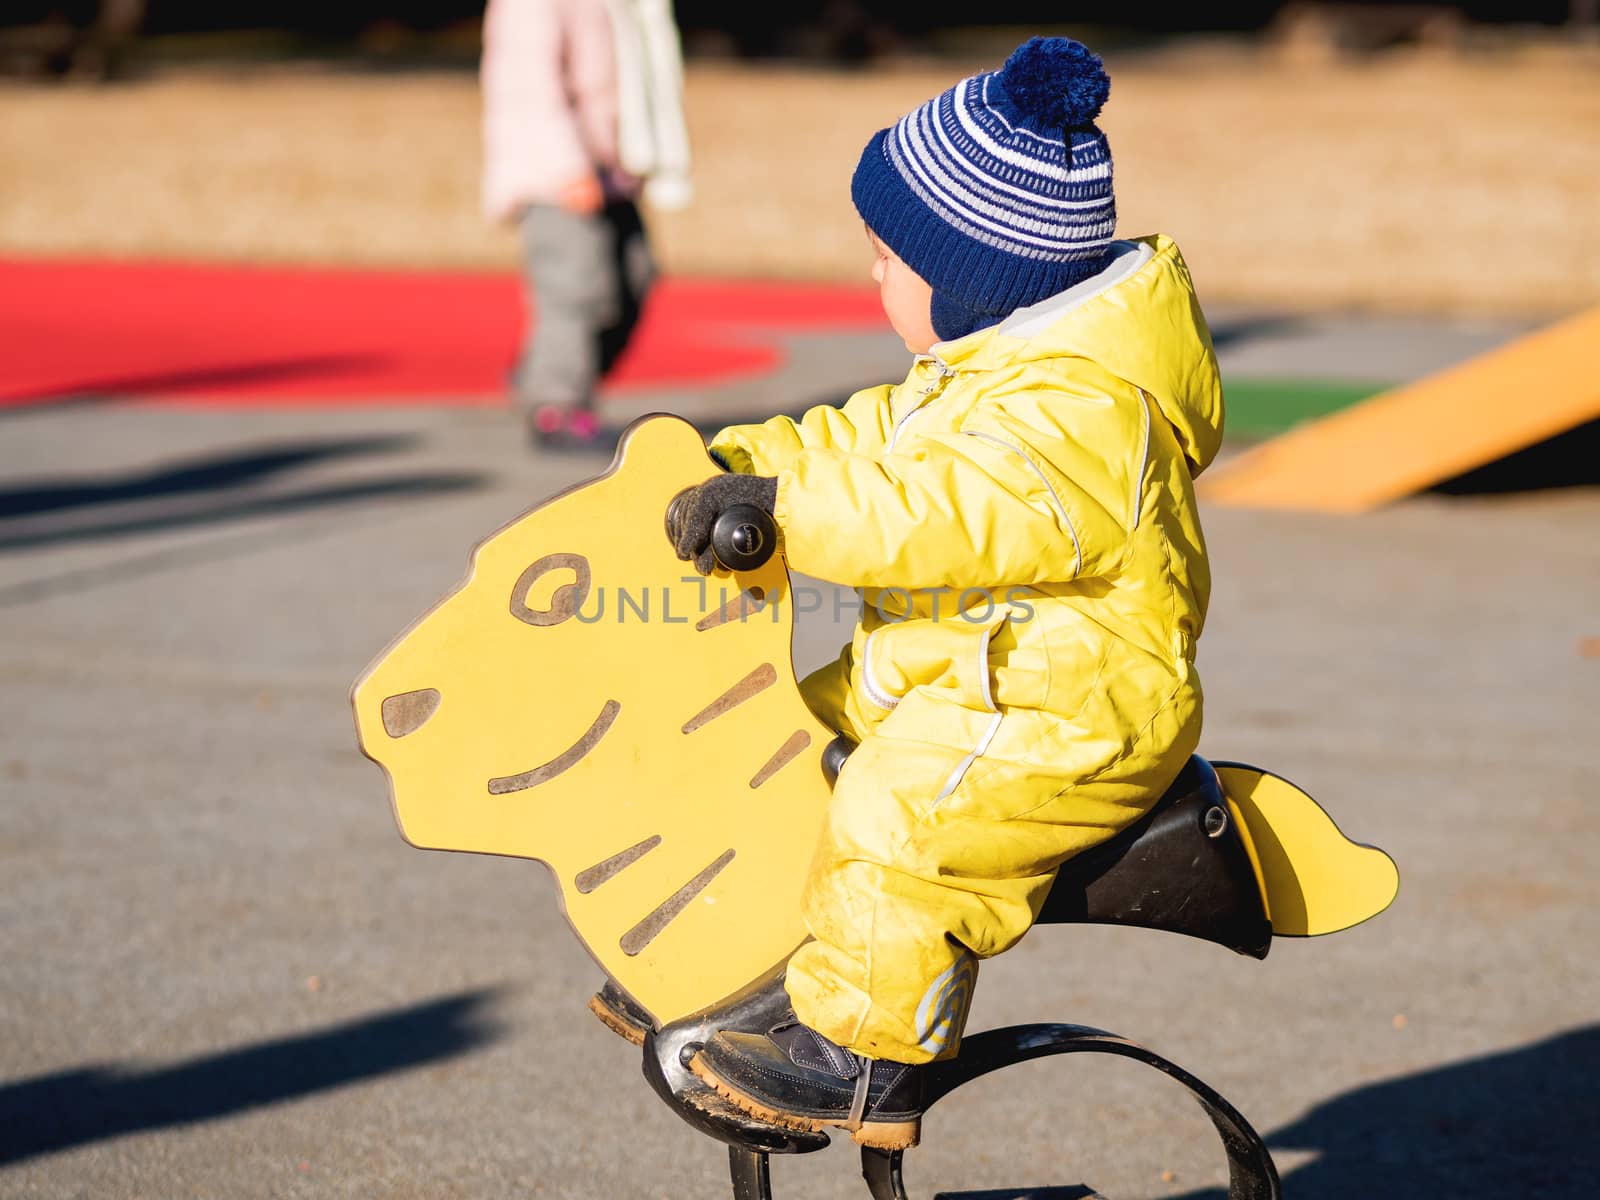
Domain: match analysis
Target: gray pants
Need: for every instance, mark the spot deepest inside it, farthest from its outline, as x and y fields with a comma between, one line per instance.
x=587, y=279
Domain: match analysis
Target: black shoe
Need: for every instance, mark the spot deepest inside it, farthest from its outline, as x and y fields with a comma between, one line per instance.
x=797, y=1078
x=618, y=1013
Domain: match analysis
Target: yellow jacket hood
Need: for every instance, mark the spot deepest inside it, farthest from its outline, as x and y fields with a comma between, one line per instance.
x=1140, y=320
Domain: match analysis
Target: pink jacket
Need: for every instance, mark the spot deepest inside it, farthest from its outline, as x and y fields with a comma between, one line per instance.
x=550, y=102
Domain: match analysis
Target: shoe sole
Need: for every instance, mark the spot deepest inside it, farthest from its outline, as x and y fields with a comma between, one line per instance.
x=616, y=1022
x=880, y=1135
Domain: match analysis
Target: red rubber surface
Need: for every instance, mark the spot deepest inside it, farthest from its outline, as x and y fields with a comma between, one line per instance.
x=234, y=335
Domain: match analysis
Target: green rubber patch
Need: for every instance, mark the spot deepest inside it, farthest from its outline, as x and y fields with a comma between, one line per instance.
x=1259, y=408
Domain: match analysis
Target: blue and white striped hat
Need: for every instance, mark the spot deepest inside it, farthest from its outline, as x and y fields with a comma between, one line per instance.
x=998, y=191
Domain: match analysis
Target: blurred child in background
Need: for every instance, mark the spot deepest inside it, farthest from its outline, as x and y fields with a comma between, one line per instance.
x=582, y=111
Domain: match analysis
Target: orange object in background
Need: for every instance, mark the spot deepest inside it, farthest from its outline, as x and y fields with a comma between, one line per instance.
x=1423, y=433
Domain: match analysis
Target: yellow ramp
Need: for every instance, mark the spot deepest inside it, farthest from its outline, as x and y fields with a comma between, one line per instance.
x=1415, y=436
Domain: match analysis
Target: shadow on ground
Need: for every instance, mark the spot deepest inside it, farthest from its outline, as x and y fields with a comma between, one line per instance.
x=90, y=1104
x=204, y=475
x=1569, y=459
x=104, y=389
x=1242, y=329
x=1519, y=1124
x=205, y=492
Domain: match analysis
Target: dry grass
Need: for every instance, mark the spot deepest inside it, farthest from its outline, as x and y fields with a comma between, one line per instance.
x=1413, y=182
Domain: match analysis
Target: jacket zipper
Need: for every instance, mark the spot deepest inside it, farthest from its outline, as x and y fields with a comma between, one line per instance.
x=935, y=386
x=869, y=677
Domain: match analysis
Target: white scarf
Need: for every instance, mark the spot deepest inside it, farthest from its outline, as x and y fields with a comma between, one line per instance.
x=652, y=139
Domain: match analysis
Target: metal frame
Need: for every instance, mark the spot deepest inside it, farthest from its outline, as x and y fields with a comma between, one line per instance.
x=1251, y=1172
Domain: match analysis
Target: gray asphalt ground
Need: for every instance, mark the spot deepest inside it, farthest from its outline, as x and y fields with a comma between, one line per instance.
x=225, y=975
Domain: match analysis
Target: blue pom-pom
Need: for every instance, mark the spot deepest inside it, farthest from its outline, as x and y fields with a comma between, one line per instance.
x=1056, y=81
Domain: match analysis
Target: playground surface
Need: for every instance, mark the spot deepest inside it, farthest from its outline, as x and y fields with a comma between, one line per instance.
x=224, y=488
x=209, y=335
x=227, y=976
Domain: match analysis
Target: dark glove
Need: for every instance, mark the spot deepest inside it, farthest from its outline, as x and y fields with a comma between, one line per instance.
x=695, y=510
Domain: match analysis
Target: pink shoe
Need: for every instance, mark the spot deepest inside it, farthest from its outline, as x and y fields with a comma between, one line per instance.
x=554, y=428
x=583, y=424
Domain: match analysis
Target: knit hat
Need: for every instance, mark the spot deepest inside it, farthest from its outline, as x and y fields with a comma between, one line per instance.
x=998, y=191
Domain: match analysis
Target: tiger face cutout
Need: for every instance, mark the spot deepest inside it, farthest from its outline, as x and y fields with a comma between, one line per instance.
x=583, y=699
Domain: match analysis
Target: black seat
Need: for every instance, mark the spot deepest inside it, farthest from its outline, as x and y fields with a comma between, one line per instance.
x=1183, y=868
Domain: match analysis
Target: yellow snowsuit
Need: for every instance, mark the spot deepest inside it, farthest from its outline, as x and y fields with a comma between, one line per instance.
x=1021, y=512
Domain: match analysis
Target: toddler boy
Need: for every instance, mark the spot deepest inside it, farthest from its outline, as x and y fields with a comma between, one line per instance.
x=1021, y=513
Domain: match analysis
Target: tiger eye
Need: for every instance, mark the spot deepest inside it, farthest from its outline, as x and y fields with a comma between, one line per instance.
x=567, y=598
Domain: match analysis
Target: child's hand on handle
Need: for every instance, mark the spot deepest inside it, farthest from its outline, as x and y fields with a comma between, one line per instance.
x=742, y=543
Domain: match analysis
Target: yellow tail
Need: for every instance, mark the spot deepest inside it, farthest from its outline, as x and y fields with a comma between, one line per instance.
x=1315, y=879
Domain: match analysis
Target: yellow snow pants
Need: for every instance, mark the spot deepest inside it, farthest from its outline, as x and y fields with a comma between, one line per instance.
x=941, y=842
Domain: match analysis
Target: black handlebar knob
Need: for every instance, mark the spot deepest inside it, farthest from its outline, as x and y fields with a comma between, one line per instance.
x=744, y=537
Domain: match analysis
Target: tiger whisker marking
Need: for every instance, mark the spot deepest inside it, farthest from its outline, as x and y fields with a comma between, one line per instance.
x=758, y=680
x=785, y=754
x=646, y=931
x=592, y=877
x=737, y=608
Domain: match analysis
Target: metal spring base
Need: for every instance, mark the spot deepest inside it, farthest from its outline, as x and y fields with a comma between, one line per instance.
x=1251, y=1173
